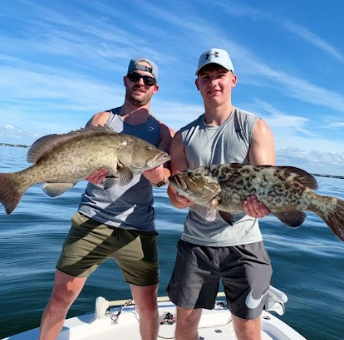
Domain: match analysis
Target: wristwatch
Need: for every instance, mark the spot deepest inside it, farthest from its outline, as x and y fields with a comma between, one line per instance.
x=161, y=183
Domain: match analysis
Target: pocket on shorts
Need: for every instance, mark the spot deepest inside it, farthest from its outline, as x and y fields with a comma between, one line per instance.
x=78, y=219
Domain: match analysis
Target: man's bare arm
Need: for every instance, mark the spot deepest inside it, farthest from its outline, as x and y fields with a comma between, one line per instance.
x=160, y=174
x=262, y=152
x=178, y=163
x=101, y=118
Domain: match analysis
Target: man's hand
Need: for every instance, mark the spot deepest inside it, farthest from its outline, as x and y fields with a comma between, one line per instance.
x=183, y=200
x=98, y=176
x=155, y=175
x=254, y=208
x=177, y=200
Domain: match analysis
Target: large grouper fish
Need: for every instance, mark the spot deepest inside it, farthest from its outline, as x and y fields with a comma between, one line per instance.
x=286, y=191
x=61, y=160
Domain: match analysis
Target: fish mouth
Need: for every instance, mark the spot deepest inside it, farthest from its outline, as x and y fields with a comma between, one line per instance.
x=191, y=190
x=164, y=158
x=177, y=182
x=194, y=188
x=159, y=159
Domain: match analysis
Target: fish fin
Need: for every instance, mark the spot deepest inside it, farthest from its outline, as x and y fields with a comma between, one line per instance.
x=11, y=191
x=56, y=189
x=301, y=176
x=110, y=182
x=229, y=218
x=210, y=215
x=42, y=147
x=125, y=175
x=99, y=128
x=291, y=219
x=211, y=212
x=334, y=216
x=46, y=144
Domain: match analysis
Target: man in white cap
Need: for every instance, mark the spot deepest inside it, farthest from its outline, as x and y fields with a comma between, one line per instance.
x=212, y=251
x=117, y=223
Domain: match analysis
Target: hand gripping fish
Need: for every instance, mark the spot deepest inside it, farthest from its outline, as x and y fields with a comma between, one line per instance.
x=62, y=160
x=286, y=191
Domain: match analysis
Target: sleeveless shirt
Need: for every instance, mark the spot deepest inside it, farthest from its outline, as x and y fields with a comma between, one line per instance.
x=129, y=206
x=205, y=145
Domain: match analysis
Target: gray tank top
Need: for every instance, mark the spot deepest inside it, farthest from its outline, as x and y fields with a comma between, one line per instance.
x=129, y=206
x=227, y=143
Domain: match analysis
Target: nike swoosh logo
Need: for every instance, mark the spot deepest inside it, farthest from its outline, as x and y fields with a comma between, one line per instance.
x=253, y=303
x=150, y=128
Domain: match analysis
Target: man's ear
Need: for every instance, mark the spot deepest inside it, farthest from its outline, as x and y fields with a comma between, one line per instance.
x=125, y=79
x=234, y=80
x=196, y=83
x=156, y=88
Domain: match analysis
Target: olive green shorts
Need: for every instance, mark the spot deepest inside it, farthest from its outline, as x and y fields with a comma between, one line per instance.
x=89, y=243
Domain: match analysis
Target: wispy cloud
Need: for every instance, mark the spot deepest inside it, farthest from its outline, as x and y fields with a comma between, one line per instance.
x=278, y=119
x=255, y=14
x=254, y=69
x=319, y=162
x=337, y=124
x=59, y=65
x=313, y=39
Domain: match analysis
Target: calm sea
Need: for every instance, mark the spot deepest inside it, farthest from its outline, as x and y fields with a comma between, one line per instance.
x=308, y=262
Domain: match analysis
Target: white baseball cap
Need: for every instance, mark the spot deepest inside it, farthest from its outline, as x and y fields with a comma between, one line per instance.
x=215, y=56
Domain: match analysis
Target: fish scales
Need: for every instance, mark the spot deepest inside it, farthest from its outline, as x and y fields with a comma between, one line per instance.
x=77, y=160
x=277, y=189
x=60, y=161
x=286, y=191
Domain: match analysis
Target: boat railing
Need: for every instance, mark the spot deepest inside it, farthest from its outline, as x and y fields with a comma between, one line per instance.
x=276, y=301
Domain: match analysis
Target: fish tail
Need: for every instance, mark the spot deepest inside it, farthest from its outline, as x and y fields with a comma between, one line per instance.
x=332, y=212
x=10, y=191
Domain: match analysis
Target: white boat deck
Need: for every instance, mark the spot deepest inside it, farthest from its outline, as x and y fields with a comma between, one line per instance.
x=215, y=325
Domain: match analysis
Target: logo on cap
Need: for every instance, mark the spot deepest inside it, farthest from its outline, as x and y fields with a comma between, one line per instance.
x=215, y=54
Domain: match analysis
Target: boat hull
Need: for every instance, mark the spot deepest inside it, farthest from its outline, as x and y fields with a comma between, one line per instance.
x=215, y=324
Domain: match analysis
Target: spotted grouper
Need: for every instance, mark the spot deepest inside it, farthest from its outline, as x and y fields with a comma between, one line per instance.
x=286, y=191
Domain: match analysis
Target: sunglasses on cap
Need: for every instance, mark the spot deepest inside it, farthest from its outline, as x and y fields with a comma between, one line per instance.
x=147, y=80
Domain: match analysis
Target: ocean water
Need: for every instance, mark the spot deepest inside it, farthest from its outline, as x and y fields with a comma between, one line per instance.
x=308, y=262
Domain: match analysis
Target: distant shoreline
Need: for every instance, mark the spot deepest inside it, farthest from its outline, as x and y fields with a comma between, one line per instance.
x=27, y=146
x=330, y=176
x=15, y=145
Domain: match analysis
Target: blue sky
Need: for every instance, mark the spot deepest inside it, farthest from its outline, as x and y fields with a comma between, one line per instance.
x=62, y=61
